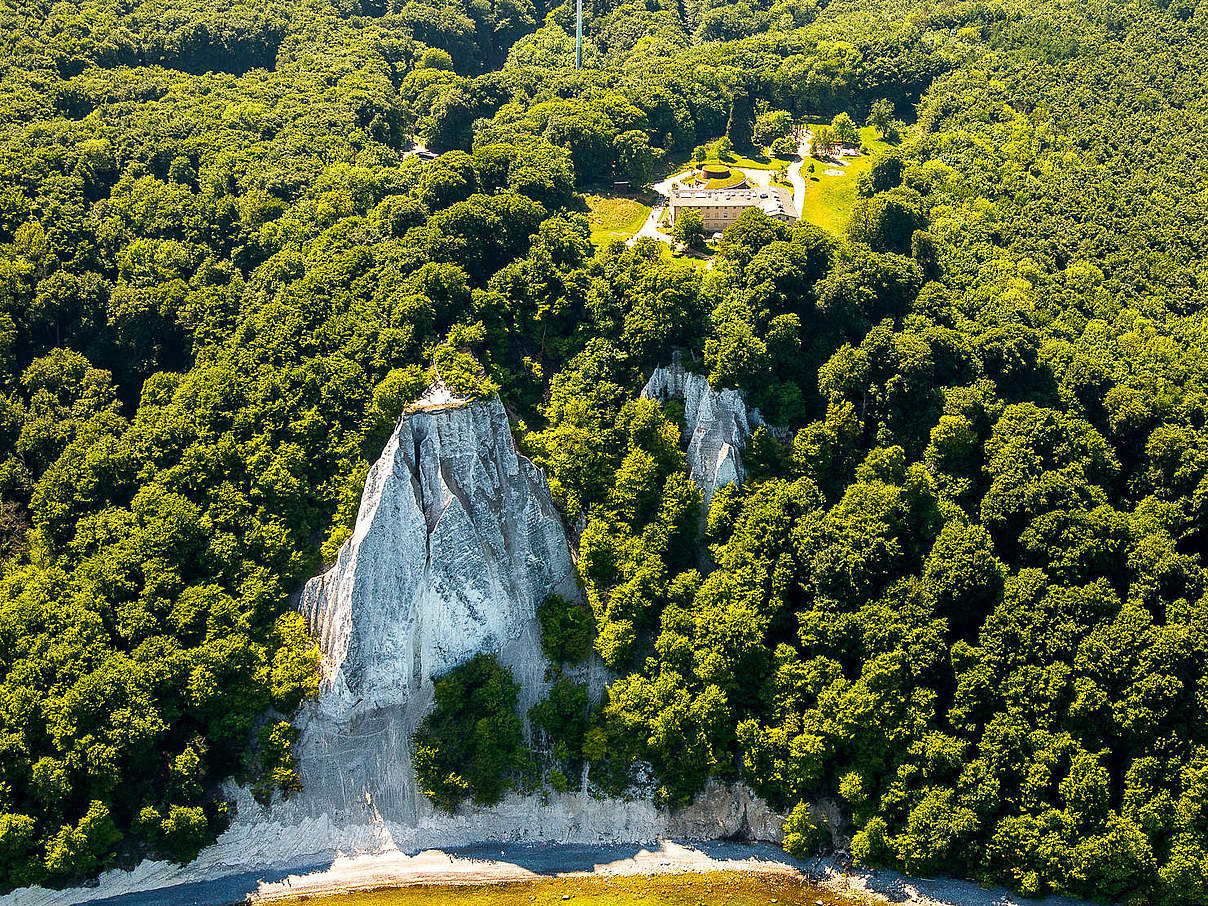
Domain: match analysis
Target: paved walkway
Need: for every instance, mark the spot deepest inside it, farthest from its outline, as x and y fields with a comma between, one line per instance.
x=795, y=175
x=651, y=227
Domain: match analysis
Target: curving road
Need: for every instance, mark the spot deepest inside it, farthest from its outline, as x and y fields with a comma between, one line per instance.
x=795, y=177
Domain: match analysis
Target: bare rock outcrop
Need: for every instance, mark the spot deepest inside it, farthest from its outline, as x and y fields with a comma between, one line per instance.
x=717, y=425
x=455, y=544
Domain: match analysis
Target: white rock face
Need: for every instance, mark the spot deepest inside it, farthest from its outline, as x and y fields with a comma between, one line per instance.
x=717, y=425
x=455, y=544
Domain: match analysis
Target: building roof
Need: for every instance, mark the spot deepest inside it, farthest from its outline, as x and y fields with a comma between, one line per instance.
x=774, y=200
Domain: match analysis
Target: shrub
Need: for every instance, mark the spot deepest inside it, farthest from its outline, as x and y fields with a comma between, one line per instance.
x=277, y=768
x=562, y=716
x=689, y=228
x=785, y=146
x=461, y=373
x=471, y=745
x=803, y=833
x=567, y=630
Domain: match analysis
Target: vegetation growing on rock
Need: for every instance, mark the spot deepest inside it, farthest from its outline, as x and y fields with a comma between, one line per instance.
x=470, y=746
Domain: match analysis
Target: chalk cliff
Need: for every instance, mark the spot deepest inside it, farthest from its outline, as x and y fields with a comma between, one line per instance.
x=455, y=544
x=717, y=425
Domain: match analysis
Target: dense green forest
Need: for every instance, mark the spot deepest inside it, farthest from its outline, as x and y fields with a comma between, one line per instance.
x=963, y=592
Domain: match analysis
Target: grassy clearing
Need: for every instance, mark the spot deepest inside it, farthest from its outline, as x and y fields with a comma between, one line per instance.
x=754, y=163
x=736, y=179
x=614, y=218
x=712, y=889
x=829, y=199
x=666, y=253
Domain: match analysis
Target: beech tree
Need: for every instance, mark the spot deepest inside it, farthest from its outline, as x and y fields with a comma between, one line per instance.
x=960, y=589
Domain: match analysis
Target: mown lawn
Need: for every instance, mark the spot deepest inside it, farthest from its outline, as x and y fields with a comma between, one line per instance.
x=829, y=199
x=734, y=179
x=712, y=889
x=667, y=254
x=701, y=264
x=614, y=218
x=754, y=163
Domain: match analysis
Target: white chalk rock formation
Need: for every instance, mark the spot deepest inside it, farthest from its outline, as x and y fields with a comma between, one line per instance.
x=717, y=425
x=455, y=545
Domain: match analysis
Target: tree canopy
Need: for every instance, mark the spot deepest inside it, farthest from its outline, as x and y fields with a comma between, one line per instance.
x=961, y=591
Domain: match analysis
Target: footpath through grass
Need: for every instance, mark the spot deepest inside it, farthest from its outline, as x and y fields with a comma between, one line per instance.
x=829, y=198
x=710, y=889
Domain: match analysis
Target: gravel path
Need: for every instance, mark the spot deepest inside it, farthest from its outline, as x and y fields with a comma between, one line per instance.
x=651, y=227
x=795, y=175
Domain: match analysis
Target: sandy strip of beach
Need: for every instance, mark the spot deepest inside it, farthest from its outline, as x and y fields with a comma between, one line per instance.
x=862, y=886
x=361, y=873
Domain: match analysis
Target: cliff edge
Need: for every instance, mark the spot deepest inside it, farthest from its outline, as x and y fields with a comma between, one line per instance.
x=717, y=425
x=455, y=544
